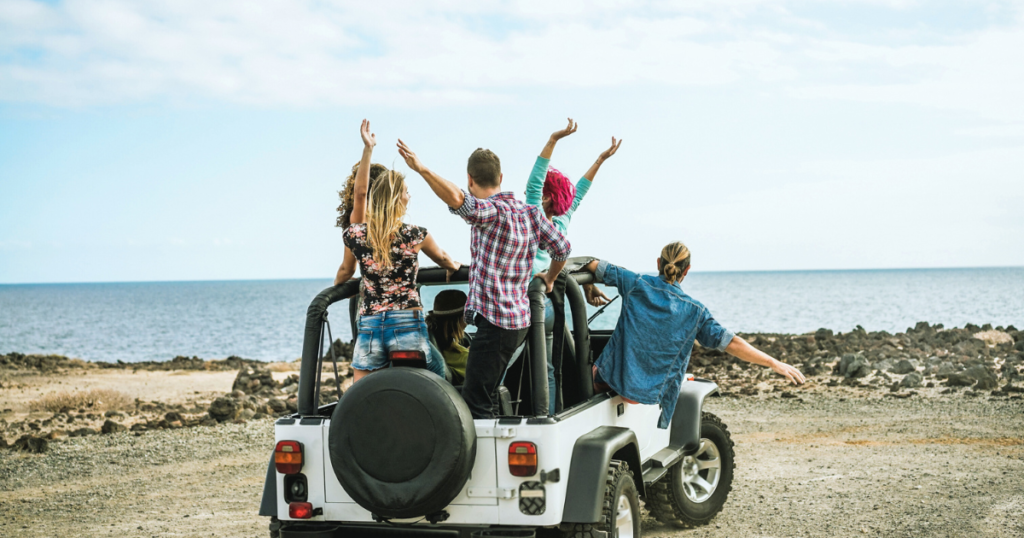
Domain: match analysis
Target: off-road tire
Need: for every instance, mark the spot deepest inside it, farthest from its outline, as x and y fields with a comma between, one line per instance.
x=666, y=499
x=619, y=482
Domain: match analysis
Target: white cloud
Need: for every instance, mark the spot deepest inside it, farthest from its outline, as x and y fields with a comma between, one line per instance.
x=81, y=53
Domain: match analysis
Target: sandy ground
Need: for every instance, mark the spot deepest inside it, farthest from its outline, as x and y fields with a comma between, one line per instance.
x=834, y=464
x=180, y=386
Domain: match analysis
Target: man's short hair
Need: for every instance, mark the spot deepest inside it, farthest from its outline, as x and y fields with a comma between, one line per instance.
x=484, y=167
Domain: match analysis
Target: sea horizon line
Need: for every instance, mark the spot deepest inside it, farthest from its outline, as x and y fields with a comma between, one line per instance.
x=694, y=272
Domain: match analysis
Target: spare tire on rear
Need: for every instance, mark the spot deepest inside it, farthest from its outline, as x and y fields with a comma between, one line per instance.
x=402, y=443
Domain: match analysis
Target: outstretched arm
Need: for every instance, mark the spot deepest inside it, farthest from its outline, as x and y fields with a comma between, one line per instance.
x=742, y=350
x=362, y=185
x=535, y=185
x=448, y=192
x=589, y=176
x=549, y=148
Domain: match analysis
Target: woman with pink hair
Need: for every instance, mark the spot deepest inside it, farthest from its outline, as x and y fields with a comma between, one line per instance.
x=552, y=191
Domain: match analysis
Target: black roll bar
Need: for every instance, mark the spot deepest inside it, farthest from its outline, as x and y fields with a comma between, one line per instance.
x=581, y=331
x=309, y=374
x=317, y=310
x=538, y=349
x=309, y=371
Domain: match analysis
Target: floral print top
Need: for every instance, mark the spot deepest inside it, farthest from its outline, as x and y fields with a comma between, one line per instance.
x=387, y=289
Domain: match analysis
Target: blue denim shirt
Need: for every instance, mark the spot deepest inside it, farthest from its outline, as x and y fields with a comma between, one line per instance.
x=646, y=358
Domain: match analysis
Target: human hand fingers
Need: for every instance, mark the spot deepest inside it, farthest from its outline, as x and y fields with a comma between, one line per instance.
x=369, y=138
x=794, y=375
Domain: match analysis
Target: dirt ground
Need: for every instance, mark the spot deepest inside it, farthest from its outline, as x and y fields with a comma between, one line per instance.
x=835, y=463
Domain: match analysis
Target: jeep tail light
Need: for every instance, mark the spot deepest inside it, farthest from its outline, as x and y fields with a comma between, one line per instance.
x=689, y=377
x=407, y=355
x=522, y=458
x=300, y=510
x=288, y=457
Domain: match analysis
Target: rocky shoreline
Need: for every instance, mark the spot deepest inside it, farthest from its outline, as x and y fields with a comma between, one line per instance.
x=925, y=361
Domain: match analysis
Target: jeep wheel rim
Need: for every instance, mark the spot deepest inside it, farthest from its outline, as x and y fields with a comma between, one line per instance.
x=624, y=518
x=701, y=472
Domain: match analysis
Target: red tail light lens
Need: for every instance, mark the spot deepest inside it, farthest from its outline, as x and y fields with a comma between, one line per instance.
x=689, y=377
x=522, y=458
x=288, y=457
x=300, y=510
x=407, y=355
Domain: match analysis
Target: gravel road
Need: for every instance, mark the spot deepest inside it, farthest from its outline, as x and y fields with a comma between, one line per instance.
x=824, y=466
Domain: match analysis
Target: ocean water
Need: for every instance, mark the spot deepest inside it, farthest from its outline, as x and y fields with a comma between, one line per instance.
x=265, y=319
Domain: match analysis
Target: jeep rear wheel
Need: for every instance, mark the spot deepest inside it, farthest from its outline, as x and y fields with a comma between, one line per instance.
x=620, y=511
x=696, y=488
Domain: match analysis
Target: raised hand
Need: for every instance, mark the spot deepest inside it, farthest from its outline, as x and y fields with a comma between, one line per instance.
x=369, y=139
x=610, y=151
x=411, y=160
x=569, y=129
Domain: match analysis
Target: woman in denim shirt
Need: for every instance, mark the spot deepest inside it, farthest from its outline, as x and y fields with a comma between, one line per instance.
x=650, y=370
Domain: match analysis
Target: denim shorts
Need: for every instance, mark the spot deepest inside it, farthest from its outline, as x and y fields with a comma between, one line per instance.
x=396, y=330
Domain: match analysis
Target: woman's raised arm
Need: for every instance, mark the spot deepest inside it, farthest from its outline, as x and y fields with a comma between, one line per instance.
x=362, y=175
x=549, y=148
x=589, y=176
x=535, y=185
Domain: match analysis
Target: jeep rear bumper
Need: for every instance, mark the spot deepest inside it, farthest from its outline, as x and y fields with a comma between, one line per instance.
x=334, y=530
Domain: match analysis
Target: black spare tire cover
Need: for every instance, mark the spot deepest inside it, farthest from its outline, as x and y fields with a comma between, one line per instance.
x=402, y=442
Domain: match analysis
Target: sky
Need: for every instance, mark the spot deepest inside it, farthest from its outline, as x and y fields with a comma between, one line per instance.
x=194, y=140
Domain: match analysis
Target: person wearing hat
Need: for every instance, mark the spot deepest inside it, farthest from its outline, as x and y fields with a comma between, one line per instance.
x=446, y=325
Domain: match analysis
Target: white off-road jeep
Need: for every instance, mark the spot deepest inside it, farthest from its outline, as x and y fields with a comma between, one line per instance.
x=399, y=452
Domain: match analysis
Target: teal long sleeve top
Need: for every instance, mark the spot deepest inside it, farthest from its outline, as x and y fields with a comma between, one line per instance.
x=534, y=195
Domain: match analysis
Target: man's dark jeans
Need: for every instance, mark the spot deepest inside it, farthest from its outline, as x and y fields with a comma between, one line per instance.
x=488, y=356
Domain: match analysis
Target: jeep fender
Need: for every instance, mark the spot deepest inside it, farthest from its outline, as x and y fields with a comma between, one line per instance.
x=685, y=433
x=587, y=473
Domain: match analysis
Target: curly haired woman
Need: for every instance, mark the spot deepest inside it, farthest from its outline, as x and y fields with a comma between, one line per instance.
x=386, y=250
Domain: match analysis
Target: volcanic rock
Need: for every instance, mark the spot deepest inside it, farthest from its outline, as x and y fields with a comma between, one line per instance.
x=912, y=380
x=224, y=409
x=252, y=378
x=109, y=426
x=277, y=406
x=904, y=367
x=32, y=444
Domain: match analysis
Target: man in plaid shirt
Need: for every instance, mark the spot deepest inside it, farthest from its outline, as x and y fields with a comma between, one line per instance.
x=506, y=235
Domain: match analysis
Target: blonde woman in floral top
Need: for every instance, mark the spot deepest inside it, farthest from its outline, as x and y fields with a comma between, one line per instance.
x=386, y=250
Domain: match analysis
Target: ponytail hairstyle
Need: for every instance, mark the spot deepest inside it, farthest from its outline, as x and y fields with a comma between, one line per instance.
x=384, y=215
x=675, y=258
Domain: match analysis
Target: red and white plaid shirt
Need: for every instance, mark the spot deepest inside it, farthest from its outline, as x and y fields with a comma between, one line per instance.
x=506, y=235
